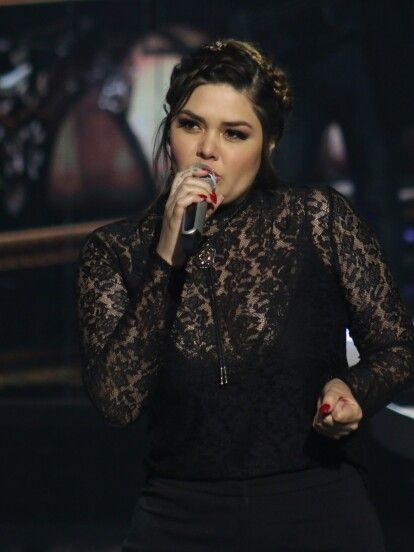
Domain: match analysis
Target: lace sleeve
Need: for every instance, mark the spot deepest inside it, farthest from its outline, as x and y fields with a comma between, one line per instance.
x=378, y=322
x=120, y=328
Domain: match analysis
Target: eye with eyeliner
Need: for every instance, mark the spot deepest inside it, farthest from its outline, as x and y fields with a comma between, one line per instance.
x=236, y=134
x=192, y=124
x=187, y=124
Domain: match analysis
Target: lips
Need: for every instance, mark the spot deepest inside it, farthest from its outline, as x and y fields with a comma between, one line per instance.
x=209, y=169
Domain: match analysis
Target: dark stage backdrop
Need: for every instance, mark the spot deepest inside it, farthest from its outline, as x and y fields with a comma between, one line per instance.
x=81, y=94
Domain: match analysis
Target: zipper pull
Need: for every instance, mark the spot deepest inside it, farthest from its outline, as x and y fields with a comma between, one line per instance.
x=223, y=375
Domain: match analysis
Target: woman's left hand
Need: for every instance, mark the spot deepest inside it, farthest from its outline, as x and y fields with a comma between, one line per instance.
x=338, y=414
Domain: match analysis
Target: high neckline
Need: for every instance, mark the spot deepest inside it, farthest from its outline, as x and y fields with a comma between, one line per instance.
x=228, y=209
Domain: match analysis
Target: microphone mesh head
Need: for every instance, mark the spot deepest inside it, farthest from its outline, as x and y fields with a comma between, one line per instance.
x=210, y=178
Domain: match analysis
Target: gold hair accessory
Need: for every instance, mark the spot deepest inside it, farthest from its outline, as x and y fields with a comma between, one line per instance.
x=216, y=46
x=275, y=76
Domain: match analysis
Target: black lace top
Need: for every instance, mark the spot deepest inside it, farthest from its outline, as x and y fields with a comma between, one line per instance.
x=229, y=354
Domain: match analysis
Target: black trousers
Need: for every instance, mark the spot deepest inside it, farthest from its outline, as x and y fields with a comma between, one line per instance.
x=317, y=510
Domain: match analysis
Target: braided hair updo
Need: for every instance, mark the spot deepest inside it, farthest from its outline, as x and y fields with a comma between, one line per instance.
x=242, y=66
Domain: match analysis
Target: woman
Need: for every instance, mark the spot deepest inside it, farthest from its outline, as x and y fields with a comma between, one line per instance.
x=237, y=351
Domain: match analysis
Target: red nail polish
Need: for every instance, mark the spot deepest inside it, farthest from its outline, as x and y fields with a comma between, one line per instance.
x=202, y=196
x=325, y=408
x=213, y=197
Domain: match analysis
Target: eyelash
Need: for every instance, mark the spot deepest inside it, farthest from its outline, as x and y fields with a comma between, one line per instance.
x=188, y=124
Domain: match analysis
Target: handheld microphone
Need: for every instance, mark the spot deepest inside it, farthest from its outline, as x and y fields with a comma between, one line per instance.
x=194, y=218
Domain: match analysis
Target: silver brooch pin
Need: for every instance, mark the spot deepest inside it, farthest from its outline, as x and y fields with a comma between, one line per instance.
x=205, y=259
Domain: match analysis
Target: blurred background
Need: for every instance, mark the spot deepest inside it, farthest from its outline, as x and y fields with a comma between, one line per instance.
x=81, y=93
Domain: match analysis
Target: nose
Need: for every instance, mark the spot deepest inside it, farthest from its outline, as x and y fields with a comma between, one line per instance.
x=207, y=147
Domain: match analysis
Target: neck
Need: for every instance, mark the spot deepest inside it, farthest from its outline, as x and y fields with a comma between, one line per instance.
x=237, y=199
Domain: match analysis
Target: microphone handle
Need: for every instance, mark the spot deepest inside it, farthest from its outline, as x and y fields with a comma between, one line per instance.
x=192, y=227
x=193, y=222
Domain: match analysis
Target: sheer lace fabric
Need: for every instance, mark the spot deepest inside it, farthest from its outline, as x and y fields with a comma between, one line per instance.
x=292, y=270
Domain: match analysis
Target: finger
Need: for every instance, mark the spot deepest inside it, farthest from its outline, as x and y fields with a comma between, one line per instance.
x=326, y=421
x=177, y=210
x=323, y=410
x=317, y=413
x=333, y=430
x=329, y=401
x=328, y=405
x=352, y=427
x=191, y=184
x=330, y=424
x=336, y=428
x=189, y=172
x=184, y=197
x=347, y=411
x=178, y=178
x=214, y=206
x=333, y=433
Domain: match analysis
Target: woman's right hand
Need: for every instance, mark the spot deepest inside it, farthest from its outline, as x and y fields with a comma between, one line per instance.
x=187, y=187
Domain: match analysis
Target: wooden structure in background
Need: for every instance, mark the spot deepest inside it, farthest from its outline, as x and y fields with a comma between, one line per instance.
x=39, y=247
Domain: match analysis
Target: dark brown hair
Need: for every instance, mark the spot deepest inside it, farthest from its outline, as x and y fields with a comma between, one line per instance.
x=243, y=66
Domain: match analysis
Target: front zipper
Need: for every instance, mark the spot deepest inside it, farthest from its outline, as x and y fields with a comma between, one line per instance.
x=216, y=320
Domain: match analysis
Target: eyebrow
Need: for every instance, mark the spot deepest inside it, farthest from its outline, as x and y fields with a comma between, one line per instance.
x=226, y=123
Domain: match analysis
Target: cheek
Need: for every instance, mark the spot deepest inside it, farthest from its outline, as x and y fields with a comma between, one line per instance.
x=249, y=161
x=176, y=152
x=181, y=149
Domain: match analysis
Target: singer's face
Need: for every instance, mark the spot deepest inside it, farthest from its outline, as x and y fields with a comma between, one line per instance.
x=219, y=128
